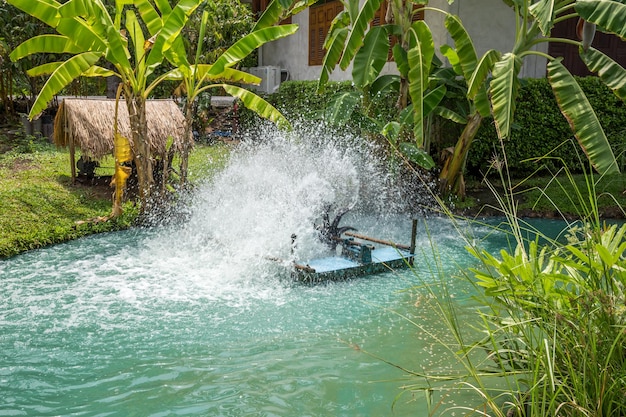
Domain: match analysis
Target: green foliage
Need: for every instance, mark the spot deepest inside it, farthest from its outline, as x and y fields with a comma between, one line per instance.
x=298, y=100
x=15, y=28
x=548, y=331
x=228, y=22
x=558, y=315
x=540, y=129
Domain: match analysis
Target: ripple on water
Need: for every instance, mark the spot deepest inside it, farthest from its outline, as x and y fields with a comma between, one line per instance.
x=193, y=320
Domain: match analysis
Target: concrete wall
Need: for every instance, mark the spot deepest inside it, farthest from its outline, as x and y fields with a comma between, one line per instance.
x=490, y=23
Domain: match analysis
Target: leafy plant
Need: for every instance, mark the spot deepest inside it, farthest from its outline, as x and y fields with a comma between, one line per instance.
x=551, y=316
x=538, y=18
x=352, y=39
x=88, y=33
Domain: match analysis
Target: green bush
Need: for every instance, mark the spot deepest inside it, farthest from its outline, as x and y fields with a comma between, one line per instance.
x=540, y=129
x=299, y=101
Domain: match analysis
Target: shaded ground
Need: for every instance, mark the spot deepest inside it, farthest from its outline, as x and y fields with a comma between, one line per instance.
x=485, y=204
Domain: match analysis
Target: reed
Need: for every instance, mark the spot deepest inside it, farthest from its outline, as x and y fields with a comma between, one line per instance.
x=549, y=328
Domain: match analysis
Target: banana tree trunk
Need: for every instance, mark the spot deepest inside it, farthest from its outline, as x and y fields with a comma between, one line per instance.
x=403, y=96
x=451, y=177
x=141, y=150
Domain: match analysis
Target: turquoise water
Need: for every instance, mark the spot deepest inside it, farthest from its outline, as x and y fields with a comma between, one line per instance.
x=131, y=323
x=194, y=320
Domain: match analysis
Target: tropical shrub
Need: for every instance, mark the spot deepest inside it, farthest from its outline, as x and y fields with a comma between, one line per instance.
x=539, y=129
x=557, y=321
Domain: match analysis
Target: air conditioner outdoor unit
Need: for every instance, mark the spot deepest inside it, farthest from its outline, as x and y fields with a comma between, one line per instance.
x=270, y=78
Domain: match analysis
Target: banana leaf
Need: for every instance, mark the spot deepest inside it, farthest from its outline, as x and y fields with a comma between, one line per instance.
x=54, y=44
x=543, y=12
x=61, y=77
x=270, y=16
x=257, y=105
x=416, y=155
x=401, y=59
x=482, y=71
x=244, y=46
x=341, y=107
x=82, y=34
x=420, y=57
x=45, y=10
x=464, y=46
x=74, y=8
x=135, y=33
x=335, y=44
x=201, y=72
x=385, y=83
x=371, y=58
x=608, y=15
x=359, y=27
x=581, y=117
x=503, y=91
x=468, y=59
x=149, y=16
x=609, y=71
x=173, y=23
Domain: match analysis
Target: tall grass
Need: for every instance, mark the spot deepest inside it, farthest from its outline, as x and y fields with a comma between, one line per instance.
x=549, y=328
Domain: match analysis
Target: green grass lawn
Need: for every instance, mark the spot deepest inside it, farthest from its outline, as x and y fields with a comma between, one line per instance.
x=568, y=195
x=41, y=206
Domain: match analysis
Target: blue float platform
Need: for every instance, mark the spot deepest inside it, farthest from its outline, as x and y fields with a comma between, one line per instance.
x=335, y=268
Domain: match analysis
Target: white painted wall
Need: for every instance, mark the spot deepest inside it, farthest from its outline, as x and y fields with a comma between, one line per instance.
x=490, y=23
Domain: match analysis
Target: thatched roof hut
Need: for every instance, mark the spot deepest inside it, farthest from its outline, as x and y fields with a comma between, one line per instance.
x=87, y=123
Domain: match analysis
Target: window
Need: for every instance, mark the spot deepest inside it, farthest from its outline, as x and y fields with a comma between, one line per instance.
x=320, y=18
x=259, y=6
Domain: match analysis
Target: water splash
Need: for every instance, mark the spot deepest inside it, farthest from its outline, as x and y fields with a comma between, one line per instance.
x=280, y=186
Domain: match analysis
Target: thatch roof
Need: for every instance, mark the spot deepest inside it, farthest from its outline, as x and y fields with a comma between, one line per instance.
x=88, y=123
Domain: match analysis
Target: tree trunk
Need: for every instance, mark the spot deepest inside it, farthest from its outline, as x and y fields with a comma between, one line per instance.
x=142, y=155
x=451, y=177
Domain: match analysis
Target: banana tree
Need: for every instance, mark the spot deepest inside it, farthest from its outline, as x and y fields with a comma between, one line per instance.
x=198, y=78
x=534, y=22
x=467, y=65
x=352, y=39
x=87, y=32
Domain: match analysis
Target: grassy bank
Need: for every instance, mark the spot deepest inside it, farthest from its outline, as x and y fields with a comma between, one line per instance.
x=560, y=196
x=40, y=205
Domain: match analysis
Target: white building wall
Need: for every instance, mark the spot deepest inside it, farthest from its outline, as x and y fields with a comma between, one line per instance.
x=490, y=23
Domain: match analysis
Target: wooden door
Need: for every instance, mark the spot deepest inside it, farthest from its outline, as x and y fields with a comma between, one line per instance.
x=610, y=45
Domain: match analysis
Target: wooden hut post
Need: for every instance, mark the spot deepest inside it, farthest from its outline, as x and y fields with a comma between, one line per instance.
x=72, y=147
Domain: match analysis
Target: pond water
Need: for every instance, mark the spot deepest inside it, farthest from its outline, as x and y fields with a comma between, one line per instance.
x=121, y=324
x=194, y=320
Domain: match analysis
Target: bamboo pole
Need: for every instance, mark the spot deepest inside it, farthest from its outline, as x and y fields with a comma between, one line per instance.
x=413, y=237
x=69, y=137
x=375, y=240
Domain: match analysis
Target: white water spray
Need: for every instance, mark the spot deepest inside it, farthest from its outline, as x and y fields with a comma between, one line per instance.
x=280, y=186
